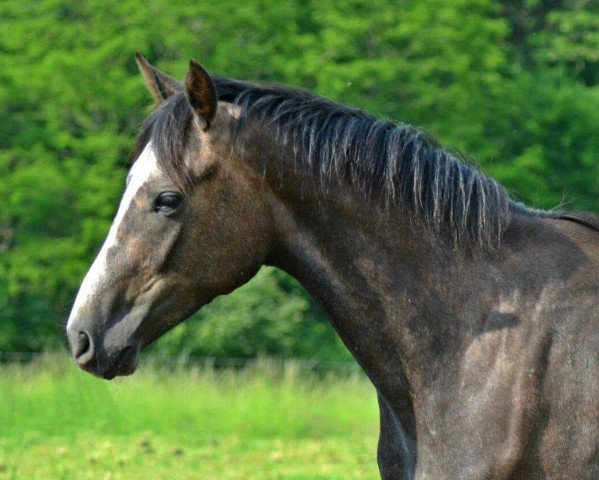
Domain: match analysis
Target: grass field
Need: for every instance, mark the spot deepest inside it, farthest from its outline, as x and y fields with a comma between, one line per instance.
x=257, y=423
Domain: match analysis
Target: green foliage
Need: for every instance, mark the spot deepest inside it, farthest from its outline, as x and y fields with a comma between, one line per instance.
x=514, y=84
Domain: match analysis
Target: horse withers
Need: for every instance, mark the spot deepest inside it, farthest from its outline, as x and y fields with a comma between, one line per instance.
x=475, y=318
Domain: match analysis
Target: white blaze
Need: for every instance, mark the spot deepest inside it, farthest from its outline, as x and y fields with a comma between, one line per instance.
x=144, y=168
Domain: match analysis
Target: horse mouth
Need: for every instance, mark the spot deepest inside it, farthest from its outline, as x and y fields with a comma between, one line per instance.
x=125, y=363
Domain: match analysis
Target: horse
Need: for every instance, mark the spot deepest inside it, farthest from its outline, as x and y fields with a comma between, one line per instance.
x=475, y=318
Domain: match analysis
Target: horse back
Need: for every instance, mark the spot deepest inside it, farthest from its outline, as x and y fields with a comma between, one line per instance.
x=570, y=383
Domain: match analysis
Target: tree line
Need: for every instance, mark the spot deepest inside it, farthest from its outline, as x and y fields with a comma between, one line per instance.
x=514, y=84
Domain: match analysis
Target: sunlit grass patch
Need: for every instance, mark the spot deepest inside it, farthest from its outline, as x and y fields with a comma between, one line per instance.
x=146, y=456
x=256, y=423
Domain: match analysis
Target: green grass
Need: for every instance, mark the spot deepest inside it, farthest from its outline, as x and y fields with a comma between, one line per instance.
x=257, y=423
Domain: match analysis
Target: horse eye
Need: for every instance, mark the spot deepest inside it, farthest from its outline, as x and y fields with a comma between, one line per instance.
x=167, y=202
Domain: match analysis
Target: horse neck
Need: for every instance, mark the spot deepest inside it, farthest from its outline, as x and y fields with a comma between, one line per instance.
x=381, y=278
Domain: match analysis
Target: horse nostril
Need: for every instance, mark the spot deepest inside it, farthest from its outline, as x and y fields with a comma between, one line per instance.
x=82, y=346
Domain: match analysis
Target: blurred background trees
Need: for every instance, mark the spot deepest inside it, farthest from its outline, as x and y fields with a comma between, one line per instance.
x=515, y=84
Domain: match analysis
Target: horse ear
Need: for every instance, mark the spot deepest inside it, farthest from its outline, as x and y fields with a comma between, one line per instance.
x=201, y=93
x=161, y=86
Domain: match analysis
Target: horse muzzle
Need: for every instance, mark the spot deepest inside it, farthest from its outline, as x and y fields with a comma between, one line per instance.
x=101, y=357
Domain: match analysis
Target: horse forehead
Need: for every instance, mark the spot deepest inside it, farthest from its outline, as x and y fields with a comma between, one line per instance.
x=143, y=169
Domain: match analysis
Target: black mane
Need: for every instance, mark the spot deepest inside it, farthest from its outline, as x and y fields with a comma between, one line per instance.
x=399, y=162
